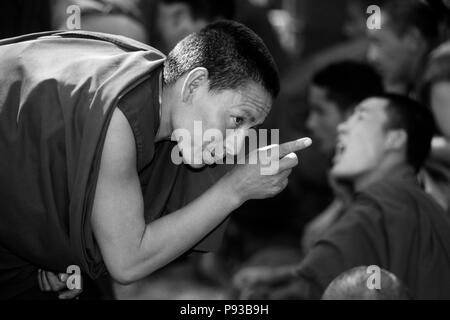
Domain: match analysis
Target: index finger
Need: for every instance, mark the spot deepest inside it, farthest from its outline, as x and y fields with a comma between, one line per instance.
x=294, y=146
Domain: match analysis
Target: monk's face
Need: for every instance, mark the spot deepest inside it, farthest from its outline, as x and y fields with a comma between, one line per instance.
x=440, y=104
x=218, y=121
x=323, y=119
x=362, y=141
x=394, y=55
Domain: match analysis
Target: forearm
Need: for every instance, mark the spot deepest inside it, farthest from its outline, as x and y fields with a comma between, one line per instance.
x=167, y=238
x=131, y=249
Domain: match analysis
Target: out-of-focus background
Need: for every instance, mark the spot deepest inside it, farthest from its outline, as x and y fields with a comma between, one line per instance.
x=304, y=36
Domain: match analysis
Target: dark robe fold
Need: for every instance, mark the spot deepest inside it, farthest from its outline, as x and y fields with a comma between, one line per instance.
x=57, y=94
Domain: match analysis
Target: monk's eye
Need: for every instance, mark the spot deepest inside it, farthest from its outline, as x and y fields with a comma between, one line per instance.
x=358, y=114
x=238, y=121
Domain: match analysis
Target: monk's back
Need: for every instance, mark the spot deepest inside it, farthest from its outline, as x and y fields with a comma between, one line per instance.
x=57, y=94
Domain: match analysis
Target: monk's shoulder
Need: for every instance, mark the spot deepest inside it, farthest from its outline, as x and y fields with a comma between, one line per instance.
x=394, y=199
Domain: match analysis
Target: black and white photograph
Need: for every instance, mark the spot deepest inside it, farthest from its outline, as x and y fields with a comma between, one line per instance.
x=225, y=155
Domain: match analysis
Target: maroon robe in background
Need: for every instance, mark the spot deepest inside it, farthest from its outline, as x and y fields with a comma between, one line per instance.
x=58, y=91
x=392, y=224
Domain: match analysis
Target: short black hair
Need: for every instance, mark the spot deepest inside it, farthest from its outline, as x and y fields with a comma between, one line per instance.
x=209, y=10
x=232, y=54
x=348, y=83
x=406, y=14
x=417, y=120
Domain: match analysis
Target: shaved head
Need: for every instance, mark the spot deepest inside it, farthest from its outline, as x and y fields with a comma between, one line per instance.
x=353, y=285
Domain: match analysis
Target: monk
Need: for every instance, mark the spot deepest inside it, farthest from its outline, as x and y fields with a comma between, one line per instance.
x=358, y=284
x=391, y=223
x=88, y=172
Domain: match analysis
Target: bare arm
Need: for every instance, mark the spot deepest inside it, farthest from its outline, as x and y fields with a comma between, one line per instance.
x=130, y=248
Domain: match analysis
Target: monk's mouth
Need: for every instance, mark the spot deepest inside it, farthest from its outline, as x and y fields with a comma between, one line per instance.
x=340, y=150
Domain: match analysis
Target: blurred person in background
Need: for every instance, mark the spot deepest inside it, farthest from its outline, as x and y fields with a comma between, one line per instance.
x=333, y=93
x=411, y=54
x=178, y=18
x=118, y=17
x=436, y=94
x=391, y=223
x=256, y=17
x=352, y=45
x=410, y=29
x=332, y=101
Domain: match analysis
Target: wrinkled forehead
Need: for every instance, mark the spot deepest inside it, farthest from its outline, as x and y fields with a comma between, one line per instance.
x=253, y=96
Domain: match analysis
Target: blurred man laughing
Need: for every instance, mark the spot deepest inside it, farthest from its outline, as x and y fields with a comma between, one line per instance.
x=391, y=223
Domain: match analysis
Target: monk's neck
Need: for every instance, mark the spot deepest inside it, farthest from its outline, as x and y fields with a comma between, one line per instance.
x=379, y=174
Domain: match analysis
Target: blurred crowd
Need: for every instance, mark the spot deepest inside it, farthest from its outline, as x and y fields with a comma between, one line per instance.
x=330, y=63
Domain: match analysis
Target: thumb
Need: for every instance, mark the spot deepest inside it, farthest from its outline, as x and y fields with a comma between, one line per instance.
x=63, y=277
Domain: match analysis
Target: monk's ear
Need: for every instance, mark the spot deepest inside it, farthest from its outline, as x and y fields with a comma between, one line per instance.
x=194, y=80
x=396, y=139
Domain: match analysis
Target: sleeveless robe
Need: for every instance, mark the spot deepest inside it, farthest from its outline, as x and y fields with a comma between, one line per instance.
x=58, y=91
